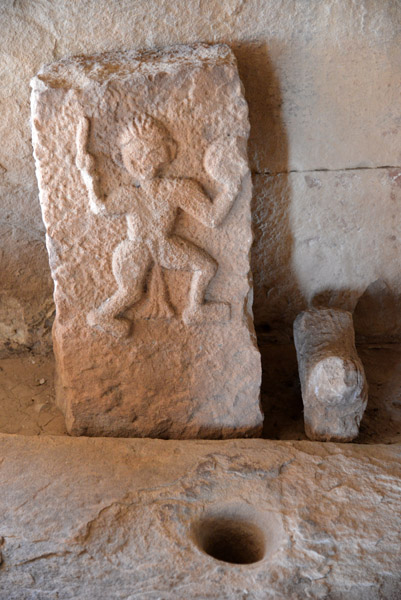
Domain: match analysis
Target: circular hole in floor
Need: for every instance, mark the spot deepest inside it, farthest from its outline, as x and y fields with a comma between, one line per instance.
x=231, y=538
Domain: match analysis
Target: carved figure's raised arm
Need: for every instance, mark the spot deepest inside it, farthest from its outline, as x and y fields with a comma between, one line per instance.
x=225, y=164
x=87, y=165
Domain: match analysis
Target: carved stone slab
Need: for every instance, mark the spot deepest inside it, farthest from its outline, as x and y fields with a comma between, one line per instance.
x=145, y=193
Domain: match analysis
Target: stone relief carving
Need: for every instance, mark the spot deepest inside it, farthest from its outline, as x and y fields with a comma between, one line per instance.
x=145, y=194
x=151, y=203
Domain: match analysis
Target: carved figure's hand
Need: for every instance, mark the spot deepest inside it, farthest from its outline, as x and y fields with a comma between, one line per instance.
x=225, y=162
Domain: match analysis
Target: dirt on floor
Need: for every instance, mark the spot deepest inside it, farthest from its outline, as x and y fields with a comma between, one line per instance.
x=27, y=404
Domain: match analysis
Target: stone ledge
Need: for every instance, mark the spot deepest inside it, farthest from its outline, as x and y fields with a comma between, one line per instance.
x=117, y=518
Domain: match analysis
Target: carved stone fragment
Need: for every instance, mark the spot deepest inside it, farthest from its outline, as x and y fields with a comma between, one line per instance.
x=145, y=194
x=334, y=388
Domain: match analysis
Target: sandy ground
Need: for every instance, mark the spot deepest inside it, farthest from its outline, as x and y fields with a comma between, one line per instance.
x=27, y=396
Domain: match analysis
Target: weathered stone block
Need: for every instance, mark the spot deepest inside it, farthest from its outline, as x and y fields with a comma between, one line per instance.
x=115, y=519
x=334, y=388
x=145, y=194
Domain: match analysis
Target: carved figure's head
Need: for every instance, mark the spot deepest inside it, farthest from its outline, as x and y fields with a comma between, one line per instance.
x=146, y=147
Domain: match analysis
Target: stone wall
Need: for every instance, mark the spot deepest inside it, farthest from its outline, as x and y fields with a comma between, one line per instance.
x=322, y=83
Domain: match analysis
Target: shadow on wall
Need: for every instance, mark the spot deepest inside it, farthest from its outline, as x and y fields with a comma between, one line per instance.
x=377, y=314
x=277, y=297
x=376, y=311
x=277, y=282
x=268, y=146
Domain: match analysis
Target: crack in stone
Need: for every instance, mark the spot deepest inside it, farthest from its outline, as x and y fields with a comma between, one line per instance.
x=273, y=173
x=42, y=556
x=32, y=498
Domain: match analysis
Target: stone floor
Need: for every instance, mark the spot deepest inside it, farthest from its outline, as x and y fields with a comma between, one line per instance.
x=132, y=519
x=278, y=519
x=27, y=395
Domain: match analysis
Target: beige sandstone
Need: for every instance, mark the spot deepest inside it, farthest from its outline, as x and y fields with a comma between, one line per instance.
x=120, y=519
x=136, y=519
x=321, y=80
x=333, y=383
x=145, y=193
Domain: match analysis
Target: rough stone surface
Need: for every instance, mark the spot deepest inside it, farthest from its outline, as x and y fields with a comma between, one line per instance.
x=321, y=81
x=131, y=519
x=328, y=239
x=333, y=383
x=26, y=304
x=149, y=242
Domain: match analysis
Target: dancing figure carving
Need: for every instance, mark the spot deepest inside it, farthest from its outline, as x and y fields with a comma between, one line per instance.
x=151, y=203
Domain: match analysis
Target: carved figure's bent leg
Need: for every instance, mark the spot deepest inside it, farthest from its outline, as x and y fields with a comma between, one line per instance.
x=182, y=255
x=130, y=262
